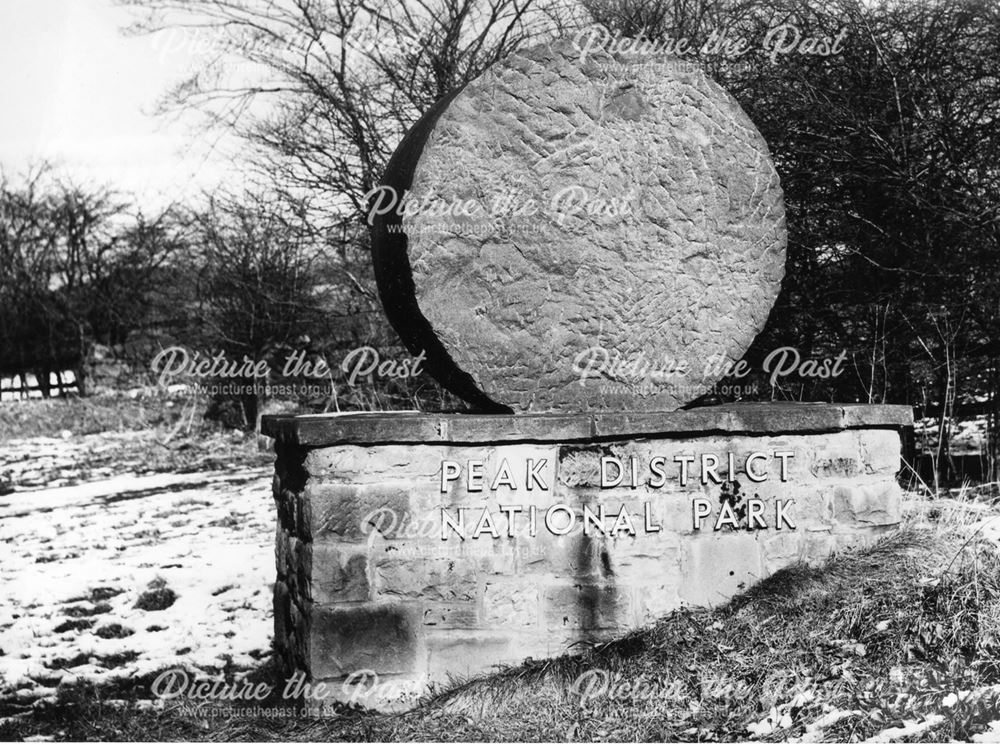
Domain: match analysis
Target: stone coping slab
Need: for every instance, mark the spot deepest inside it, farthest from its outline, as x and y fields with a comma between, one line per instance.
x=318, y=430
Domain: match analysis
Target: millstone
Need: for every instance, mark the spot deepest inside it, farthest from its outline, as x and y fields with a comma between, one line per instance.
x=560, y=212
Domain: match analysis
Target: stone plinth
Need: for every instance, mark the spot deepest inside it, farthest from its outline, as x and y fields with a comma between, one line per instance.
x=423, y=546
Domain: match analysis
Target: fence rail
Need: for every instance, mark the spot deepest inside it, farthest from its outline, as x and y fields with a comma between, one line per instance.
x=23, y=388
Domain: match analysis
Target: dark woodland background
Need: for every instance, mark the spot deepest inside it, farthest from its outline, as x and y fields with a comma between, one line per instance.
x=889, y=156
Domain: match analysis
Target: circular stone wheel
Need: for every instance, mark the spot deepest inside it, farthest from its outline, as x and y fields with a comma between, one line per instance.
x=604, y=234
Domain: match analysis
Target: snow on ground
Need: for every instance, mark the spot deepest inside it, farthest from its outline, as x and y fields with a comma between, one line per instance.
x=75, y=560
x=907, y=729
x=989, y=530
x=967, y=436
x=990, y=735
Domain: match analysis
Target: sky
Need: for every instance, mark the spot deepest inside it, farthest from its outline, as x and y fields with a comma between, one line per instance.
x=78, y=92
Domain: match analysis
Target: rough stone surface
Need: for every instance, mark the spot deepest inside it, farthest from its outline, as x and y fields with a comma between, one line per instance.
x=347, y=639
x=716, y=567
x=595, y=203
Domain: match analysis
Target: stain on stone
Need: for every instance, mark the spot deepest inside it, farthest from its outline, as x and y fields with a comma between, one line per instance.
x=626, y=102
x=339, y=580
x=596, y=603
x=732, y=494
x=379, y=638
x=355, y=513
x=827, y=467
x=606, y=564
x=580, y=465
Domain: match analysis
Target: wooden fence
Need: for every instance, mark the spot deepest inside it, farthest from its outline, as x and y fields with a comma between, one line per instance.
x=20, y=386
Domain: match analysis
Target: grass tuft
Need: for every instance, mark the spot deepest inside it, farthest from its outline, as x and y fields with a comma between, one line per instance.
x=157, y=597
x=74, y=624
x=114, y=631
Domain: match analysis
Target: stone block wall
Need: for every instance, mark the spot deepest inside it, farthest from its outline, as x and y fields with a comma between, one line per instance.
x=389, y=573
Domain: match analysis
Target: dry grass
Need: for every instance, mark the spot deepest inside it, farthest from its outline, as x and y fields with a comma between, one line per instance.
x=875, y=638
x=80, y=416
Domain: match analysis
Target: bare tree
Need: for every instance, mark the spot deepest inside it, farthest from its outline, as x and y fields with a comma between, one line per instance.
x=37, y=332
x=260, y=283
x=75, y=268
x=326, y=88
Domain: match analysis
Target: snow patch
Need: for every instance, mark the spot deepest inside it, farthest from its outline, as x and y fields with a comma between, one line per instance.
x=195, y=533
